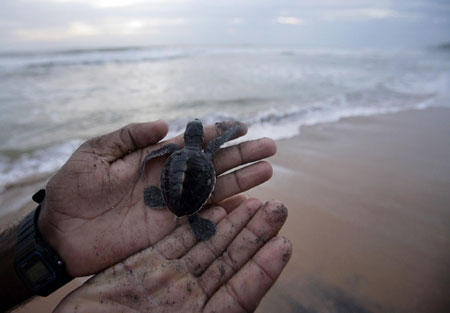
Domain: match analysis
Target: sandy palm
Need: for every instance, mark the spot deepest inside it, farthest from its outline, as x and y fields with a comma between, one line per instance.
x=94, y=214
x=231, y=272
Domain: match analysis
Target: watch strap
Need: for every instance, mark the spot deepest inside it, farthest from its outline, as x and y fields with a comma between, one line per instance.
x=31, y=245
x=26, y=237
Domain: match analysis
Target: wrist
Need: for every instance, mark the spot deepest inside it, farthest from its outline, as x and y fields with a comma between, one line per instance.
x=50, y=234
x=46, y=231
x=12, y=290
x=38, y=266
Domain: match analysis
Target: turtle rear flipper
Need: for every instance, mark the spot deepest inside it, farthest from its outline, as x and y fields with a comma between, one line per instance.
x=202, y=228
x=153, y=198
x=166, y=149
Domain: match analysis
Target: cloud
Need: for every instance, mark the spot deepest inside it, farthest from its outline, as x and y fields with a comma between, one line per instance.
x=290, y=20
x=236, y=20
x=112, y=26
x=7, y=23
x=75, y=29
x=362, y=14
x=104, y=4
x=440, y=20
x=62, y=23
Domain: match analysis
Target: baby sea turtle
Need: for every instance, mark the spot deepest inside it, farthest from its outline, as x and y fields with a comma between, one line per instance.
x=188, y=177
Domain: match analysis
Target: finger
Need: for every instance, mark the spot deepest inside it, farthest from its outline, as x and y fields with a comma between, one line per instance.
x=232, y=203
x=182, y=239
x=263, y=226
x=241, y=180
x=245, y=152
x=212, y=131
x=121, y=142
x=244, y=291
x=209, y=133
x=177, y=245
x=205, y=252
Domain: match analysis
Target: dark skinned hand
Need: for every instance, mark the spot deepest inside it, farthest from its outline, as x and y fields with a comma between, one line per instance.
x=94, y=215
x=229, y=273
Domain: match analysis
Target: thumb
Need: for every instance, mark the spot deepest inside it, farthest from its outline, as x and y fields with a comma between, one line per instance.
x=127, y=139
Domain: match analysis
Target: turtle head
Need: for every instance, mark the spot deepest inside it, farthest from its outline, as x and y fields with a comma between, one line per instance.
x=193, y=136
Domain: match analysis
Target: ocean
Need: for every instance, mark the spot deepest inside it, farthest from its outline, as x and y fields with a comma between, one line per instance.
x=50, y=102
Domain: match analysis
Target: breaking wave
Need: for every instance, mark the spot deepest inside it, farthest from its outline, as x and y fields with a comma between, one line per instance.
x=278, y=91
x=273, y=123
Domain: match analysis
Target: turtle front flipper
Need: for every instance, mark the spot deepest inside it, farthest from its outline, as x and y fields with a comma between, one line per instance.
x=202, y=228
x=227, y=135
x=153, y=198
x=166, y=149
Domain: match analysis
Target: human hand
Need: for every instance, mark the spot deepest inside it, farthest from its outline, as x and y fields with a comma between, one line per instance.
x=230, y=272
x=94, y=215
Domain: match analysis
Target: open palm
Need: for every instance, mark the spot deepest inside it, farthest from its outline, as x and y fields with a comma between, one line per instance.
x=230, y=272
x=94, y=214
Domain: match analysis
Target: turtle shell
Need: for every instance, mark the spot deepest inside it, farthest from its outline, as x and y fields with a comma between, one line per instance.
x=187, y=181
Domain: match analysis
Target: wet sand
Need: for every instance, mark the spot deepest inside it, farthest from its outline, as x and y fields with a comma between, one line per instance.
x=369, y=216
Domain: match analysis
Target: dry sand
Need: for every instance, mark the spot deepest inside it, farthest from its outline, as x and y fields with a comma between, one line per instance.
x=369, y=218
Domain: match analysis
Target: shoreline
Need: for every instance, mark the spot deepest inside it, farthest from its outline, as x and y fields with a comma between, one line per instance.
x=368, y=215
x=15, y=200
x=356, y=191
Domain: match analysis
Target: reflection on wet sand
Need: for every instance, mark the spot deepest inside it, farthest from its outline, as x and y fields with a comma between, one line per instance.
x=369, y=215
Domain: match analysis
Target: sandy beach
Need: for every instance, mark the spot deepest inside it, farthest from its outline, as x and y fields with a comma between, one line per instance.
x=369, y=216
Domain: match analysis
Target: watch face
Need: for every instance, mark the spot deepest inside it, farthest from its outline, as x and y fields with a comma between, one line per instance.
x=36, y=271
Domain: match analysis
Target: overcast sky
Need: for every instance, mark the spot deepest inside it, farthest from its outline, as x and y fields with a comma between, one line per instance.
x=68, y=24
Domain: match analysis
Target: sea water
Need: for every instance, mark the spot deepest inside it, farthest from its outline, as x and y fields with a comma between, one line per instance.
x=51, y=101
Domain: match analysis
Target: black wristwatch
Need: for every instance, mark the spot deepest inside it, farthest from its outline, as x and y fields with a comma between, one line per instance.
x=38, y=266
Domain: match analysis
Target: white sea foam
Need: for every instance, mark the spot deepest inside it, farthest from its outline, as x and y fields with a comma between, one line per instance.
x=290, y=125
x=14, y=61
x=270, y=124
x=276, y=91
x=41, y=161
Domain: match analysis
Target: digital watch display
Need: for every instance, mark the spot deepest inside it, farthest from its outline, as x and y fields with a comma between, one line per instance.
x=35, y=271
x=39, y=267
